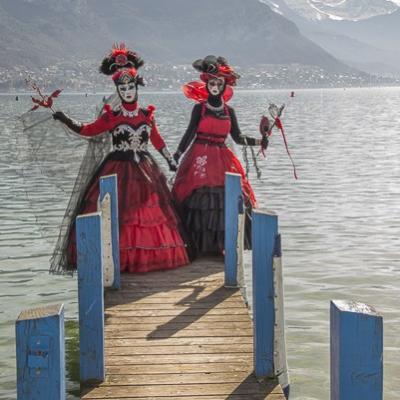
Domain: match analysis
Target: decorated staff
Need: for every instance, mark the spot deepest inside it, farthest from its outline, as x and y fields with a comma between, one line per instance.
x=266, y=129
x=43, y=101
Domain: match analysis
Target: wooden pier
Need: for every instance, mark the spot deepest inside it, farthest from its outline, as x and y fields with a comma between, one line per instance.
x=187, y=334
x=179, y=335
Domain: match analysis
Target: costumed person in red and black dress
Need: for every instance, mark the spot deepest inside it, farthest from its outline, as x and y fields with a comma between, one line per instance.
x=148, y=225
x=199, y=183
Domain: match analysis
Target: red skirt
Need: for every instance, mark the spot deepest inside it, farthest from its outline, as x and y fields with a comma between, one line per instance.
x=205, y=166
x=148, y=225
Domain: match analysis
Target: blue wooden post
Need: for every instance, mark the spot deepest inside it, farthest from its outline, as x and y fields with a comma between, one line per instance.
x=264, y=234
x=233, y=200
x=90, y=296
x=356, y=352
x=108, y=184
x=41, y=354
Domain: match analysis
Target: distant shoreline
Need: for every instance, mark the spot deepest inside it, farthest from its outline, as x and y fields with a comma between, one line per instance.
x=237, y=90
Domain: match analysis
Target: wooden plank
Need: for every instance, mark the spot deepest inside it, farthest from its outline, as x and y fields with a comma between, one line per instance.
x=131, y=318
x=171, y=298
x=224, y=389
x=182, y=335
x=261, y=396
x=177, y=359
x=177, y=379
x=172, y=332
x=180, y=368
x=192, y=349
x=181, y=326
x=163, y=306
x=179, y=341
x=115, y=310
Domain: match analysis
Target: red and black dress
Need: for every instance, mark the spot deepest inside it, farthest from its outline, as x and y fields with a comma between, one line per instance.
x=199, y=183
x=148, y=225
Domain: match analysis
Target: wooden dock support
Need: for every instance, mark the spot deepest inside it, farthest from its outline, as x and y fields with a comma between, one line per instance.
x=90, y=295
x=179, y=335
x=41, y=354
x=111, y=264
x=233, y=207
x=264, y=234
x=356, y=352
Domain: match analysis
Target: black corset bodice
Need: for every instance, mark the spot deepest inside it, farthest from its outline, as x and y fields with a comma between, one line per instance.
x=130, y=142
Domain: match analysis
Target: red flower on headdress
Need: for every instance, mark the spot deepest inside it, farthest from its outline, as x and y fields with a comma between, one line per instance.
x=125, y=75
x=223, y=71
x=120, y=57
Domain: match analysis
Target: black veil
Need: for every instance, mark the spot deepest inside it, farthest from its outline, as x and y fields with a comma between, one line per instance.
x=66, y=163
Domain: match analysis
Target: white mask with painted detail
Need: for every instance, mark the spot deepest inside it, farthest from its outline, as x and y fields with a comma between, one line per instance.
x=215, y=86
x=127, y=92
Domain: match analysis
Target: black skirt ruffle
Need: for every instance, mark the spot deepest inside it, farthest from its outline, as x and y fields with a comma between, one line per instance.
x=203, y=214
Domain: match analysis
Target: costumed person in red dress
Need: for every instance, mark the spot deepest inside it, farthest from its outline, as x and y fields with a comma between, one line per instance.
x=199, y=183
x=148, y=224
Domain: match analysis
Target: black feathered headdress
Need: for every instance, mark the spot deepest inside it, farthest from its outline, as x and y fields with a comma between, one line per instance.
x=212, y=66
x=120, y=57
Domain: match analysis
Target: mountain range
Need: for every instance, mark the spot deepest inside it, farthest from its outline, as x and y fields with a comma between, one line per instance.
x=363, y=34
x=336, y=35
x=42, y=32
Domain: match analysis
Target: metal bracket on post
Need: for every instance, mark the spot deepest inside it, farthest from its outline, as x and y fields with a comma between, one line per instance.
x=38, y=356
x=109, y=188
x=108, y=261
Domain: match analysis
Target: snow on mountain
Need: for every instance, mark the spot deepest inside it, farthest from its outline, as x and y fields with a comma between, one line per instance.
x=339, y=9
x=370, y=44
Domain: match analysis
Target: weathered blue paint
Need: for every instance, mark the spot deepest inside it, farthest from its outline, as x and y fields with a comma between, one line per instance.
x=356, y=352
x=264, y=232
x=233, y=198
x=41, y=354
x=108, y=184
x=90, y=296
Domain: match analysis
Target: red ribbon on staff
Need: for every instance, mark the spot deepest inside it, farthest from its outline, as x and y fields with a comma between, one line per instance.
x=279, y=124
x=46, y=101
x=43, y=100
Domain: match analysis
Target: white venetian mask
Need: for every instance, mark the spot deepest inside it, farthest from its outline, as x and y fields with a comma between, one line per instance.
x=127, y=92
x=215, y=86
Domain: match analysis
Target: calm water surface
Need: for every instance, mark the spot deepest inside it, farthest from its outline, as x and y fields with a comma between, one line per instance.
x=340, y=222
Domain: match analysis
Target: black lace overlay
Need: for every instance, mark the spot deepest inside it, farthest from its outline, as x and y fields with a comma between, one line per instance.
x=203, y=213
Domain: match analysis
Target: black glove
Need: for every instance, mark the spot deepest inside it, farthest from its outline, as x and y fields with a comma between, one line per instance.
x=264, y=142
x=177, y=156
x=173, y=166
x=73, y=125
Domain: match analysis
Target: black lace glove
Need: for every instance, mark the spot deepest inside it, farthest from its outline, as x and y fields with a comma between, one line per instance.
x=264, y=142
x=73, y=125
x=173, y=166
x=177, y=156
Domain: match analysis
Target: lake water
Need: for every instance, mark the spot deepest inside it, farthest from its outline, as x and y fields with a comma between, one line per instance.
x=340, y=222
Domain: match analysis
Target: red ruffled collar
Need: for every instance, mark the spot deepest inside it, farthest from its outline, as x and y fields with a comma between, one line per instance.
x=197, y=91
